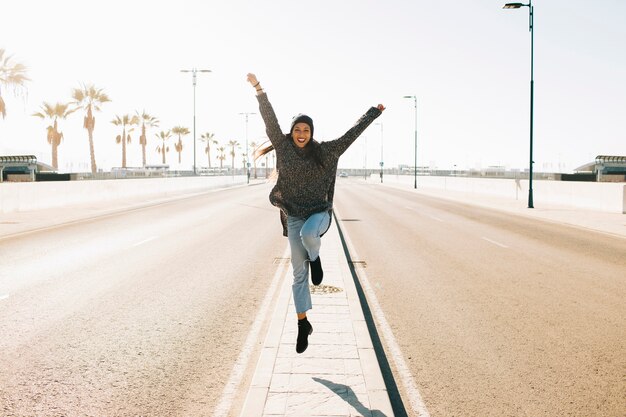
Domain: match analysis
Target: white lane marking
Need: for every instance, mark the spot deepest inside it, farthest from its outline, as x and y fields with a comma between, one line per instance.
x=415, y=398
x=4, y=296
x=432, y=217
x=495, y=243
x=145, y=241
x=236, y=376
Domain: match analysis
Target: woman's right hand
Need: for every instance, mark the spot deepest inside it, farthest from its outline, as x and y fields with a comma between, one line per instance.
x=252, y=80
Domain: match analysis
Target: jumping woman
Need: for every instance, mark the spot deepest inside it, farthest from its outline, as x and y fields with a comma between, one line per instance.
x=304, y=194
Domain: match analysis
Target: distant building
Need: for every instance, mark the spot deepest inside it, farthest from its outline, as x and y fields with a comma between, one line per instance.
x=605, y=168
x=21, y=167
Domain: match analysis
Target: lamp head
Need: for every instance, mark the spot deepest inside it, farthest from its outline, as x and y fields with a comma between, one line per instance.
x=513, y=5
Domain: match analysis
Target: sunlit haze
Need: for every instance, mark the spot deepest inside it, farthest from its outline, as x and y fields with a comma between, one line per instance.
x=468, y=63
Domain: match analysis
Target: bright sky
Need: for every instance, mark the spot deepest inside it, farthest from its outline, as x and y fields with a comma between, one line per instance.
x=468, y=63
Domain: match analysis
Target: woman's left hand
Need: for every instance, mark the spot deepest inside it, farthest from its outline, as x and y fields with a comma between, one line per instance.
x=380, y=107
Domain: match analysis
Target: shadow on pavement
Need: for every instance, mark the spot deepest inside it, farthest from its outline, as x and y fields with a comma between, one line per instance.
x=347, y=394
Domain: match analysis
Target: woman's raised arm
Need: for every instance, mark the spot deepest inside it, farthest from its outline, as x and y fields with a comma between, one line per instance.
x=339, y=146
x=272, y=128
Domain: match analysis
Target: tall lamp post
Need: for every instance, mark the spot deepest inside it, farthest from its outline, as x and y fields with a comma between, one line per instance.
x=247, y=155
x=532, y=87
x=381, y=150
x=415, y=165
x=193, y=72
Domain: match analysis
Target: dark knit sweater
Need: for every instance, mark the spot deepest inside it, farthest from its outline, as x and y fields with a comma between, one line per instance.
x=304, y=188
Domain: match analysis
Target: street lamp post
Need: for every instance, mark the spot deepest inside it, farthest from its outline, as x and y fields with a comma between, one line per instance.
x=381, y=151
x=532, y=88
x=247, y=155
x=193, y=72
x=415, y=165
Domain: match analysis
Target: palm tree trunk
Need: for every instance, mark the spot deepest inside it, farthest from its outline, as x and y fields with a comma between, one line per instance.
x=92, y=152
x=55, y=145
x=55, y=162
x=124, y=147
x=208, y=152
x=143, y=144
x=90, y=124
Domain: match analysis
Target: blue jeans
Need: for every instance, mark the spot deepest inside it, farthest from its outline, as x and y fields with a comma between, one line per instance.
x=305, y=242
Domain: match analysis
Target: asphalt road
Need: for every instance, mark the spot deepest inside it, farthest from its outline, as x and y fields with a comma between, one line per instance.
x=142, y=312
x=495, y=314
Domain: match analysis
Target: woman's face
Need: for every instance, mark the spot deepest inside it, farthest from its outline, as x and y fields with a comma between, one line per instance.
x=301, y=134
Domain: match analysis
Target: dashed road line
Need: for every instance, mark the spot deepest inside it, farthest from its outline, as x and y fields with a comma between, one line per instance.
x=502, y=245
x=145, y=241
x=429, y=215
x=436, y=218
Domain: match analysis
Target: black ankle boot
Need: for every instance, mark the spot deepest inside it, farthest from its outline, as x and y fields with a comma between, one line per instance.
x=304, y=330
x=317, y=274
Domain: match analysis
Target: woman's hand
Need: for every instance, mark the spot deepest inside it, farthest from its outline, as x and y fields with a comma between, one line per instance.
x=380, y=107
x=252, y=80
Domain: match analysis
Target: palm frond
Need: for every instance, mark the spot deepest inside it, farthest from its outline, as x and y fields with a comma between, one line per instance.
x=12, y=73
x=78, y=95
x=180, y=130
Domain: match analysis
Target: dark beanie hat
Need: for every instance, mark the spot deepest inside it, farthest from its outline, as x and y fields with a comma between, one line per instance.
x=301, y=118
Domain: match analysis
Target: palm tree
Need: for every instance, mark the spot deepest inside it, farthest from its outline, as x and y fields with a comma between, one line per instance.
x=89, y=98
x=253, y=146
x=149, y=121
x=162, y=149
x=124, y=120
x=54, y=113
x=208, y=138
x=11, y=74
x=233, y=144
x=221, y=156
x=180, y=131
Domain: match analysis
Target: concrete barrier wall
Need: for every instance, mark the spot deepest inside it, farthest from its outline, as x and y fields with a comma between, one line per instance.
x=609, y=197
x=41, y=195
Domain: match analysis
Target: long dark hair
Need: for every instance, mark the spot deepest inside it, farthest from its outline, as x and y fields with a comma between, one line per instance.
x=311, y=150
